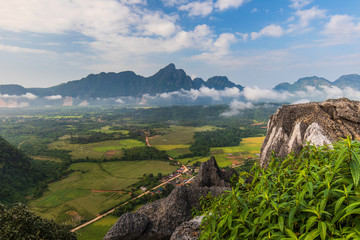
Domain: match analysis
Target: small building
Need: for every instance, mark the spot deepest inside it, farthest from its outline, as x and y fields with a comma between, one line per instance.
x=144, y=189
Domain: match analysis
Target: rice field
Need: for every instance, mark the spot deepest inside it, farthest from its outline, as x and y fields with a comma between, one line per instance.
x=96, y=230
x=96, y=150
x=92, y=188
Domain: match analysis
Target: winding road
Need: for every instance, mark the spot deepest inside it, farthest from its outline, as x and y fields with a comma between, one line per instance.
x=112, y=210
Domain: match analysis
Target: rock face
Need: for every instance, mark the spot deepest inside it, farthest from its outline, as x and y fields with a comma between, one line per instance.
x=318, y=123
x=211, y=175
x=129, y=226
x=189, y=230
x=159, y=219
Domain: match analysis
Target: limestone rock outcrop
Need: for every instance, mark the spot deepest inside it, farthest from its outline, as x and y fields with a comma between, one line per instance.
x=129, y=226
x=292, y=126
x=189, y=230
x=211, y=175
x=163, y=216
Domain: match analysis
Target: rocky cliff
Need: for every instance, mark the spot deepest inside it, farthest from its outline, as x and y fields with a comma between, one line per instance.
x=159, y=220
x=292, y=126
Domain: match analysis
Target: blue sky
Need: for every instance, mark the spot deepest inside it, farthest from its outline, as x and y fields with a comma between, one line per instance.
x=253, y=42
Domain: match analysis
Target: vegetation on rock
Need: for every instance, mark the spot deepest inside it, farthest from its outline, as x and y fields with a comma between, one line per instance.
x=19, y=223
x=314, y=195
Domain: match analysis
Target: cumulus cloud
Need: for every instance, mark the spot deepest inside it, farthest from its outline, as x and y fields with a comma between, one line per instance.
x=305, y=17
x=272, y=30
x=29, y=96
x=205, y=8
x=53, y=97
x=256, y=94
x=226, y=4
x=297, y=4
x=119, y=100
x=198, y=8
x=342, y=28
x=235, y=108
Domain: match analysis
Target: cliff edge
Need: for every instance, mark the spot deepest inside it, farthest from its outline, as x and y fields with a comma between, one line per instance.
x=292, y=126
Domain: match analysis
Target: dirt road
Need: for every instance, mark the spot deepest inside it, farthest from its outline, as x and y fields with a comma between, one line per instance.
x=112, y=210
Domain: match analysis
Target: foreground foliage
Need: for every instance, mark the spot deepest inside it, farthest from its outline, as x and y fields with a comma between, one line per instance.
x=19, y=223
x=314, y=195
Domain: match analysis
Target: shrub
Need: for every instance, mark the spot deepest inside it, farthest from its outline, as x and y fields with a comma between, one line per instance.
x=314, y=195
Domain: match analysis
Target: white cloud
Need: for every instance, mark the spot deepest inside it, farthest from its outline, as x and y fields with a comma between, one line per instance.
x=29, y=96
x=198, y=8
x=171, y=3
x=158, y=25
x=342, y=28
x=235, y=108
x=303, y=100
x=305, y=17
x=223, y=43
x=254, y=10
x=297, y=4
x=205, y=8
x=15, y=49
x=53, y=97
x=119, y=100
x=194, y=94
x=256, y=93
x=226, y=4
x=272, y=30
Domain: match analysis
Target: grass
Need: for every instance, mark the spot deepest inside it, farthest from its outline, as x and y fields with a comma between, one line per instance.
x=225, y=156
x=96, y=230
x=71, y=199
x=178, y=135
x=106, y=129
x=94, y=150
x=174, y=151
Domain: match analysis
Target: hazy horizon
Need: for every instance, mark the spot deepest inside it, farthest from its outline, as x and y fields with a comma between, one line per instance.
x=253, y=43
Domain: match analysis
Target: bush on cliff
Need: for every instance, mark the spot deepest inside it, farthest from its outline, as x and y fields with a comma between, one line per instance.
x=314, y=195
x=19, y=223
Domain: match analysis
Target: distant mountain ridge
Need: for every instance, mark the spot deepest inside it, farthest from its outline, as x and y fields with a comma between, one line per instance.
x=124, y=84
x=350, y=80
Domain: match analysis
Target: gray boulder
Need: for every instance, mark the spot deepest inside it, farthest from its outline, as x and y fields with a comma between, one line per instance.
x=165, y=215
x=129, y=226
x=292, y=126
x=189, y=230
x=211, y=175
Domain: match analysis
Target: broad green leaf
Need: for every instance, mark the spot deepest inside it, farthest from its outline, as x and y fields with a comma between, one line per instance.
x=310, y=222
x=322, y=229
x=312, y=235
x=310, y=187
x=281, y=224
x=354, y=168
x=291, y=234
x=338, y=204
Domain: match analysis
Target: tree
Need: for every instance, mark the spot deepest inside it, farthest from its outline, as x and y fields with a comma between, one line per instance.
x=19, y=223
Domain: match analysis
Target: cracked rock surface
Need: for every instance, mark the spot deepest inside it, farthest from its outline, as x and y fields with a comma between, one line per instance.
x=292, y=126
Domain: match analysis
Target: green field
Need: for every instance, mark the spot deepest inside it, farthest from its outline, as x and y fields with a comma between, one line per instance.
x=176, y=135
x=176, y=139
x=73, y=198
x=106, y=129
x=96, y=230
x=95, y=150
x=249, y=148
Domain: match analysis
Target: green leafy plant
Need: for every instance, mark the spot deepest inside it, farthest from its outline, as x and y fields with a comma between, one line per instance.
x=314, y=195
